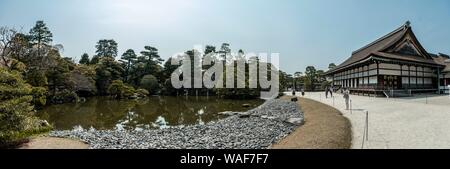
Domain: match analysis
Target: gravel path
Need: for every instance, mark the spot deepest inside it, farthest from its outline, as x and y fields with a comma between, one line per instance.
x=325, y=128
x=255, y=129
x=397, y=123
x=44, y=142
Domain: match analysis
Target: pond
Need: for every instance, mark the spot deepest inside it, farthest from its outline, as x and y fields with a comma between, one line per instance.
x=103, y=113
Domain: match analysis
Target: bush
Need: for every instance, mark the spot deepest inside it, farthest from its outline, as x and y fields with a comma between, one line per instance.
x=150, y=83
x=142, y=93
x=64, y=96
x=119, y=90
x=17, y=121
x=39, y=96
x=36, y=78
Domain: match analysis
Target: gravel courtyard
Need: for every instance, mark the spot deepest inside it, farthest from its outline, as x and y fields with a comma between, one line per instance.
x=419, y=122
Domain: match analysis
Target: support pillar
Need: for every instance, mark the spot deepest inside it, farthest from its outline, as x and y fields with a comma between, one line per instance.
x=439, y=80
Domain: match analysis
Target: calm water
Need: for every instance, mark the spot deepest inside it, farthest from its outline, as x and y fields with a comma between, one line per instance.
x=155, y=112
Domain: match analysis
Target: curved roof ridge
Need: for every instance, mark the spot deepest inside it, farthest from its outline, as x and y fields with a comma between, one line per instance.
x=401, y=28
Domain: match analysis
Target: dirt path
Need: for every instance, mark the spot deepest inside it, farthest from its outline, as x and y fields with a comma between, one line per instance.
x=45, y=142
x=324, y=128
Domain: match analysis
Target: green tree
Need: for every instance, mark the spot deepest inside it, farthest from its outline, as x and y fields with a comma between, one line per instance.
x=36, y=78
x=166, y=75
x=95, y=59
x=57, y=73
x=39, y=96
x=150, y=83
x=107, y=70
x=40, y=36
x=284, y=81
x=320, y=75
x=240, y=52
x=16, y=119
x=106, y=48
x=331, y=66
x=210, y=49
x=152, y=60
x=20, y=46
x=311, y=72
x=298, y=74
x=84, y=59
x=130, y=57
x=310, y=77
x=224, y=50
x=119, y=90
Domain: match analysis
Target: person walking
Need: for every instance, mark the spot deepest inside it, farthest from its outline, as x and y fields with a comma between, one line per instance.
x=326, y=92
x=331, y=91
x=303, y=92
x=346, y=97
x=293, y=92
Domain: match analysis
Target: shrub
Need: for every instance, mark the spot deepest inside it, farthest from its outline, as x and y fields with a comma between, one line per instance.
x=119, y=90
x=64, y=96
x=150, y=83
x=17, y=121
x=142, y=92
x=36, y=78
x=39, y=96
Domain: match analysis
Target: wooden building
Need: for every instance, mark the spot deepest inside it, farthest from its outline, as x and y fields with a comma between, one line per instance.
x=396, y=62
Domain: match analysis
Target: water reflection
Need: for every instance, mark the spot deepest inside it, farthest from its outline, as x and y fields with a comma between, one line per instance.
x=155, y=112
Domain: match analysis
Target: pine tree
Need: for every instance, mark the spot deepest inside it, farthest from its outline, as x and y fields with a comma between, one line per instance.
x=106, y=48
x=16, y=119
x=95, y=59
x=129, y=56
x=40, y=36
x=84, y=59
x=152, y=60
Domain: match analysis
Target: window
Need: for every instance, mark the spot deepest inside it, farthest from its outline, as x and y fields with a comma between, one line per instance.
x=413, y=80
x=405, y=70
x=419, y=80
x=405, y=80
x=373, y=80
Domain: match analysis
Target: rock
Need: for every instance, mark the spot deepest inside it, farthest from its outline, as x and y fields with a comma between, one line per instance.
x=44, y=123
x=82, y=99
x=295, y=121
x=244, y=114
x=227, y=113
x=134, y=96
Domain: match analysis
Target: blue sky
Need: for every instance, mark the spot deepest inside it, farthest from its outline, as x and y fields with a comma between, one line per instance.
x=304, y=32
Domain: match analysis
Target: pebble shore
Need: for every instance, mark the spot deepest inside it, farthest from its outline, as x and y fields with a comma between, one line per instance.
x=258, y=128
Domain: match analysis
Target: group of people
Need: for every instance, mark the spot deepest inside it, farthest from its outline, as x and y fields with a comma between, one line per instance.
x=301, y=90
x=330, y=90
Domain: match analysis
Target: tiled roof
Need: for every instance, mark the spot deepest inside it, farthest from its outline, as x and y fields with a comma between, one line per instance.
x=444, y=60
x=378, y=47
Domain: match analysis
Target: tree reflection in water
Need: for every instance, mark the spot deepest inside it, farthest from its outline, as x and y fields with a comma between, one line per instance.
x=155, y=112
